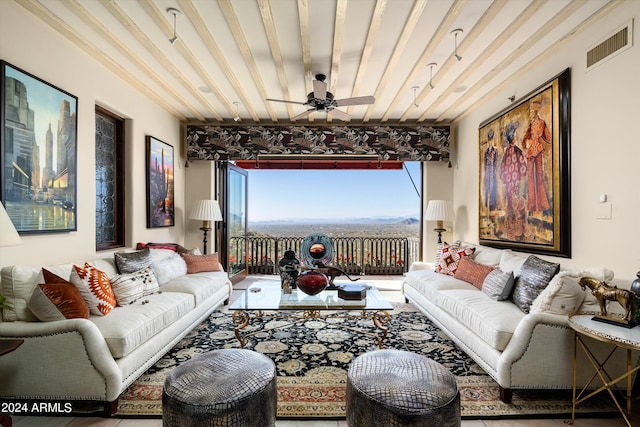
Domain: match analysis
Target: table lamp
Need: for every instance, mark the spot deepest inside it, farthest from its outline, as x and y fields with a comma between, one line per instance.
x=206, y=211
x=8, y=234
x=439, y=211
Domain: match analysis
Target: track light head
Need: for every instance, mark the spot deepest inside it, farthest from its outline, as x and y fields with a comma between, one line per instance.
x=455, y=38
x=175, y=12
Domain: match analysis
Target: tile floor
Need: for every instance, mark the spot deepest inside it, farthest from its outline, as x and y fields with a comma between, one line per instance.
x=388, y=283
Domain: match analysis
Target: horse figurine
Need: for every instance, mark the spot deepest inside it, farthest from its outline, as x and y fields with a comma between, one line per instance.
x=605, y=293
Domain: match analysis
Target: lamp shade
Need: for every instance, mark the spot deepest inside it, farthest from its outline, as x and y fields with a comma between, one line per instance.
x=439, y=210
x=8, y=234
x=206, y=210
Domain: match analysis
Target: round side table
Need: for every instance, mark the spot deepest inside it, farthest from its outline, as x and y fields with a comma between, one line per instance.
x=620, y=338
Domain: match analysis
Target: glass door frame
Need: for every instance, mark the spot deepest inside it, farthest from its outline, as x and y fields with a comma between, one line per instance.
x=225, y=171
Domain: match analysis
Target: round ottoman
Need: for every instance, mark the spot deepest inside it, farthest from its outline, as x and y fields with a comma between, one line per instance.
x=228, y=387
x=400, y=388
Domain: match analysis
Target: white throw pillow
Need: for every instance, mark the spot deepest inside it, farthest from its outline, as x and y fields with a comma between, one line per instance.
x=169, y=268
x=563, y=295
x=129, y=287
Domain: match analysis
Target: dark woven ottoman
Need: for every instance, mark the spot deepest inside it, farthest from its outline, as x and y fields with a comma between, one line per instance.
x=399, y=388
x=228, y=387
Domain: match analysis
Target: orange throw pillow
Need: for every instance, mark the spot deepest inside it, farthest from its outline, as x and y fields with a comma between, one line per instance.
x=95, y=288
x=201, y=263
x=472, y=272
x=57, y=299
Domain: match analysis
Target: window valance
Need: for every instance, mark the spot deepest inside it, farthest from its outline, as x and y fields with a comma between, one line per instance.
x=416, y=143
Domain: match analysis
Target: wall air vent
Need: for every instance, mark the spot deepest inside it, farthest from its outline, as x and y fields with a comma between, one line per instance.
x=618, y=42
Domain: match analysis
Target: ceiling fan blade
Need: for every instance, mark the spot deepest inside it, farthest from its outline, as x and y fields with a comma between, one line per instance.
x=339, y=114
x=358, y=100
x=288, y=102
x=319, y=89
x=303, y=115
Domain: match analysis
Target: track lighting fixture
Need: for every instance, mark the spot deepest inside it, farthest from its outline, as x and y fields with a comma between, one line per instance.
x=431, y=65
x=175, y=12
x=415, y=88
x=455, y=39
x=237, y=116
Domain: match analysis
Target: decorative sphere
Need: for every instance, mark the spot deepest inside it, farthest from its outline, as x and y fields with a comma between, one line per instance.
x=312, y=282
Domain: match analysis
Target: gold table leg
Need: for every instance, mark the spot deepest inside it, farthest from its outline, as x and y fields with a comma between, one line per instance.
x=241, y=318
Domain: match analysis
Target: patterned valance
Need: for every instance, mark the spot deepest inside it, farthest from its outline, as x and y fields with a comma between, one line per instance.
x=418, y=143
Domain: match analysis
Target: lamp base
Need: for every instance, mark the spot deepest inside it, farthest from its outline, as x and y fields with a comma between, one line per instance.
x=205, y=230
x=439, y=231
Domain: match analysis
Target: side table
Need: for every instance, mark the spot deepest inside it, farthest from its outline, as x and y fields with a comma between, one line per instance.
x=620, y=338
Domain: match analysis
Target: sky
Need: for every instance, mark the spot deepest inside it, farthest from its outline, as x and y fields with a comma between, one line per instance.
x=333, y=194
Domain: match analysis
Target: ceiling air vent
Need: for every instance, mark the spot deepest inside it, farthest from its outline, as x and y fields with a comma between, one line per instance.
x=619, y=41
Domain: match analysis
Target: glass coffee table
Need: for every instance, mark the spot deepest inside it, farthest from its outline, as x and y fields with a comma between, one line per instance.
x=267, y=299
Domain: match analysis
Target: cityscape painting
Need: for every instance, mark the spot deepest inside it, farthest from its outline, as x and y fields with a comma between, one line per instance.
x=38, y=147
x=159, y=184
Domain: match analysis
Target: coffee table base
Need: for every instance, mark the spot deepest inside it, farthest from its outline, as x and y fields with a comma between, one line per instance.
x=380, y=319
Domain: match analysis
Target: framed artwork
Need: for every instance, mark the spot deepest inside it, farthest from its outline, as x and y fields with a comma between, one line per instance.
x=160, y=199
x=524, y=191
x=38, y=151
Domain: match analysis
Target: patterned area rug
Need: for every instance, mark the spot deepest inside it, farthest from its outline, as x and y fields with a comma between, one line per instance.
x=312, y=358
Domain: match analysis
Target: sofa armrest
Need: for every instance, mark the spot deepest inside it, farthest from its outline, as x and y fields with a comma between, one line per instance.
x=421, y=265
x=73, y=349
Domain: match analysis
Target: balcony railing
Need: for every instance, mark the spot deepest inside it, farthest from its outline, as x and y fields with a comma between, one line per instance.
x=354, y=255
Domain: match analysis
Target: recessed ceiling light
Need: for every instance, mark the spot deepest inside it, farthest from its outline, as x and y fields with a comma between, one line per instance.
x=460, y=89
x=205, y=89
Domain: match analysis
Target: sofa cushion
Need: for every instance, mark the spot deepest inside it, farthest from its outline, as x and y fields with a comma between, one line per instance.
x=472, y=272
x=493, y=321
x=498, y=285
x=57, y=299
x=450, y=258
x=511, y=262
x=200, y=285
x=95, y=288
x=534, y=276
x=429, y=283
x=126, y=328
x=129, y=262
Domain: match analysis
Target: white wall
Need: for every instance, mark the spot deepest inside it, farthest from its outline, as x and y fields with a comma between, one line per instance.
x=605, y=148
x=27, y=43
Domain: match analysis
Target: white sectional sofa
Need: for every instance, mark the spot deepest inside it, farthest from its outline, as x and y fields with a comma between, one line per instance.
x=96, y=359
x=518, y=350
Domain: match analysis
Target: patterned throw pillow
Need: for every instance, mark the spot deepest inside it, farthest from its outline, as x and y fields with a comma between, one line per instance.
x=57, y=299
x=498, y=285
x=130, y=262
x=472, y=272
x=95, y=288
x=534, y=276
x=450, y=257
x=201, y=263
x=130, y=287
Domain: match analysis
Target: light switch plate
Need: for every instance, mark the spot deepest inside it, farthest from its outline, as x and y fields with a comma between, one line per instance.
x=603, y=211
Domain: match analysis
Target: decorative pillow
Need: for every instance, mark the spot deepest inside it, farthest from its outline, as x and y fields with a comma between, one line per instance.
x=472, y=272
x=95, y=288
x=169, y=268
x=439, y=252
x=498, y=285
x=200, y=263
x=130, y=262
x=130, y=287
x=57, y=299
x=170, y=246
x=450, y=258
x=563, y=295
x=534, y=277
x=182, y=250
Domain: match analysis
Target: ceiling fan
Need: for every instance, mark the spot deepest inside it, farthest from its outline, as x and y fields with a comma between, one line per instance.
x=322, y=100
